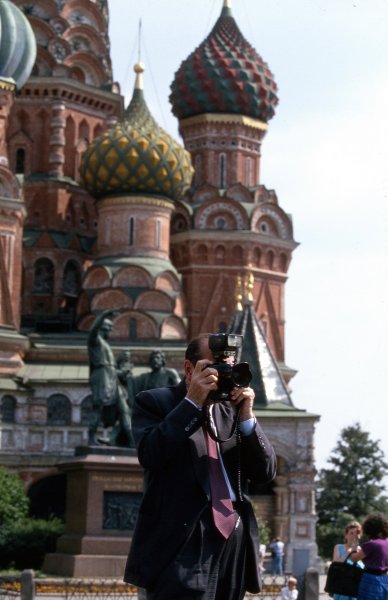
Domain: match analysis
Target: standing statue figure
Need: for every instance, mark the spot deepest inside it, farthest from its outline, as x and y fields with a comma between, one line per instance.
x=158, y=376
x=109, y=402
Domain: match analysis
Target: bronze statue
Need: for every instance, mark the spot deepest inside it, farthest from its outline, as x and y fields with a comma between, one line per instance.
x=109, y=398
x=158, y=376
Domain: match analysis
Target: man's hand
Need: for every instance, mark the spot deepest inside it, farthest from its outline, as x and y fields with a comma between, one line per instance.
x=203, y=380
x=244, y=398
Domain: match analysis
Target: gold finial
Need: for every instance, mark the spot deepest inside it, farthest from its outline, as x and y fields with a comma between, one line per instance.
x=227, y=3
x=239, y=295
x=249, y=283
x=139, y=69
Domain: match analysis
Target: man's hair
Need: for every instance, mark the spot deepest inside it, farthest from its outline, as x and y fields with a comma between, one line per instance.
x=375, y=525
x=194, y=348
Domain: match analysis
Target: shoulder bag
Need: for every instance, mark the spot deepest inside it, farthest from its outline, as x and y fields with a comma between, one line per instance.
x=343, y=578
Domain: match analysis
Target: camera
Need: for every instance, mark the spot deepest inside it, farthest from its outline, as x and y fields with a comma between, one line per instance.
x=224, y=347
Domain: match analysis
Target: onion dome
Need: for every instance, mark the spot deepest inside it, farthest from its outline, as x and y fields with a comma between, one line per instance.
x=136, y=156
x=17, y=44
x=224, y=75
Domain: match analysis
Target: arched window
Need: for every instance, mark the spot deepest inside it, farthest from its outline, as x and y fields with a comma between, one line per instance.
x=157, y=234
x=20, y=160
x=198, y=170
x=72, y=279
x=7, y=410
x=131, y=231
x=248, y=172
x=43, y=277
x=58, y=410
x=220, y=255
x=86, y=410
x=222, y=171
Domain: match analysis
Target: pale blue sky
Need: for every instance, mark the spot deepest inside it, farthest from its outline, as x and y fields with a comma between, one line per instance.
x=326, y=156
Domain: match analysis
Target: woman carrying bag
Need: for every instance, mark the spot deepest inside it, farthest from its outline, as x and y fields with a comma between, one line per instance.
x=341, y=551
x=374, y=554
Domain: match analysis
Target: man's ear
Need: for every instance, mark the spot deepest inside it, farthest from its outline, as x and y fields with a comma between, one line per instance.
x=189, y=367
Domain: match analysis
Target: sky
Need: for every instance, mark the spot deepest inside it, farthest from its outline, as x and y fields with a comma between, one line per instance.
x=326, y=156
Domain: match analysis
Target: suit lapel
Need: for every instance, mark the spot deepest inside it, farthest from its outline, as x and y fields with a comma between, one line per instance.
x=199, y=457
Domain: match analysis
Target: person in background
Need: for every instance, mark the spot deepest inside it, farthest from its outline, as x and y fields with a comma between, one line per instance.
x=289, y=591
x=374, y=555
x=277, y=552
x=352, y=535
x=262, y=551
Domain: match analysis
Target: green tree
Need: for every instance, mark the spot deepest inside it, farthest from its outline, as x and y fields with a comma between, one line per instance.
x=351, y=487
x=14, y=503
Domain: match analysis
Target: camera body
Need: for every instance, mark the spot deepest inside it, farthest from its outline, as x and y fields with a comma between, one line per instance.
x=224, y=347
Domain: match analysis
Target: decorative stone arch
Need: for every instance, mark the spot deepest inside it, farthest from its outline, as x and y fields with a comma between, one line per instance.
x=44, y=63
x=173, y=328
x=83, y=304
x=146, y=327
x=201, y=253
x=41, y=9
x=90, y=65
x=97, y=277
x=221, y=215
x=89, y=15
x=132, y=276
x=239, y=193
x=205, y=193
x=180, y=220
x=43, y=31
x=167, y=281
x=84, y=38
x=77, y=74
x=273, y=218
x=154, y=300
x=111, y=298
x=85, y=322
x=9, y=185
x=58, y=410
x=59, y=25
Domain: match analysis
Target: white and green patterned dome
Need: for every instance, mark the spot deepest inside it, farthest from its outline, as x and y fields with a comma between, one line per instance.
x=17, y=44
x=136, y=156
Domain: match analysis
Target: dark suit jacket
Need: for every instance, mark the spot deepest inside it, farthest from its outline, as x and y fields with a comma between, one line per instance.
x=172, y=449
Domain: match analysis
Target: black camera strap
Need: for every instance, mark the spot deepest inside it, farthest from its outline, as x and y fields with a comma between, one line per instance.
x=212, y=431
x=234, y=431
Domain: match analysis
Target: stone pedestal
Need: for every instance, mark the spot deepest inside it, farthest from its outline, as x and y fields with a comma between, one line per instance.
x=104, y=488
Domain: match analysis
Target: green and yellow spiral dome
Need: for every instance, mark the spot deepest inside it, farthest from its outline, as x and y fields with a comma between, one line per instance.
x=136, y=156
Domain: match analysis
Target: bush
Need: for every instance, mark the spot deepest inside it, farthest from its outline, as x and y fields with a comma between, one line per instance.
x=14, y=503
x=24, y=544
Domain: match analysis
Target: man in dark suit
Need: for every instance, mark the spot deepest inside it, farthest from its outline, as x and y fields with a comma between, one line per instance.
x=177, y=551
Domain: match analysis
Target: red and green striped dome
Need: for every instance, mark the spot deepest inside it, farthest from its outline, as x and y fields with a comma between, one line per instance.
x=224, y=75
